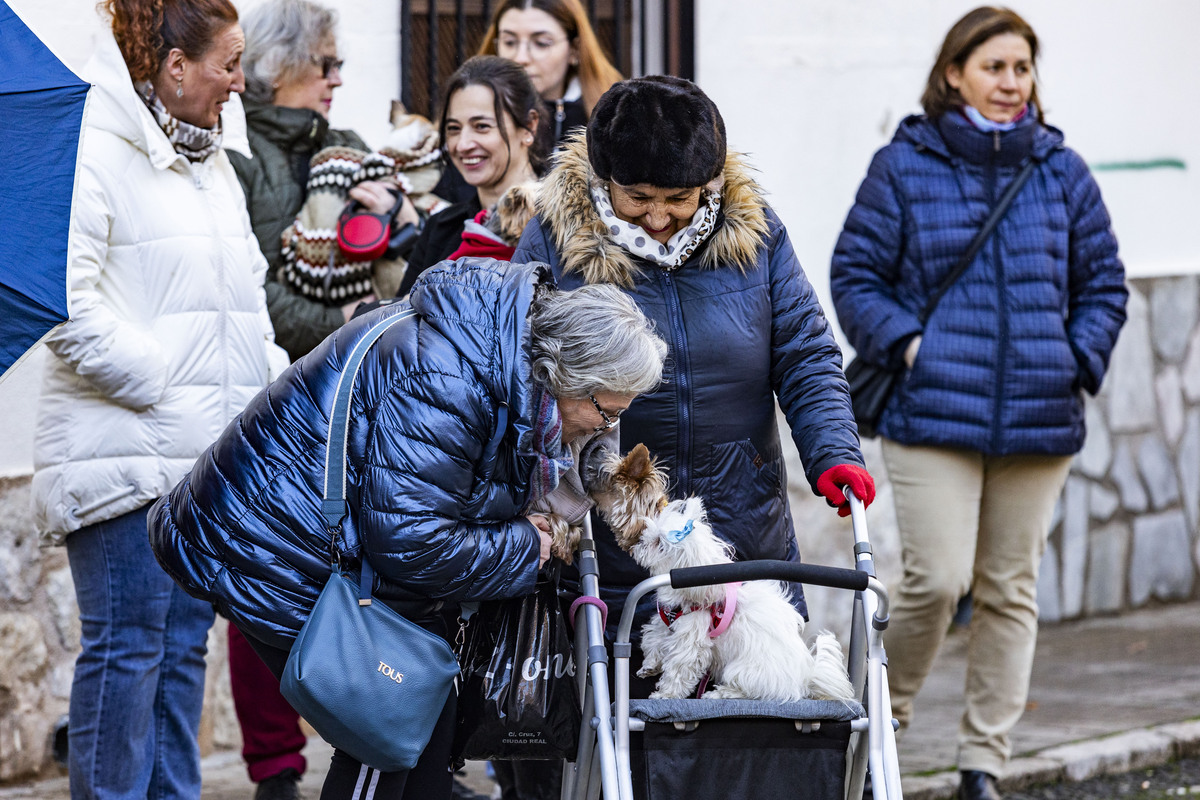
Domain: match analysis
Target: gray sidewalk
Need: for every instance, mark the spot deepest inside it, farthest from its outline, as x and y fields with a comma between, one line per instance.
x=1108, y=694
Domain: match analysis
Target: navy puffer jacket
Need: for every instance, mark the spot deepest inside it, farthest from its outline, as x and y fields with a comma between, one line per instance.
x=434, y=494
x=743, y=326
x=1011, y=346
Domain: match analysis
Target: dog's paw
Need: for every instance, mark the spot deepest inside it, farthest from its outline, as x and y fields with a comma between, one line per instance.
x=649, y=671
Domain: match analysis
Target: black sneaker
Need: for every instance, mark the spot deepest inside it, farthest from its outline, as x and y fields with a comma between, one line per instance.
x=284, y=786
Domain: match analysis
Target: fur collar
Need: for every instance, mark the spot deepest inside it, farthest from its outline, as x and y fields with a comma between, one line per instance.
x=582, y=238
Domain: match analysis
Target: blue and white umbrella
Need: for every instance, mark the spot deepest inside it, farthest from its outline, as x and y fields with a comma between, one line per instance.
x=41, y=121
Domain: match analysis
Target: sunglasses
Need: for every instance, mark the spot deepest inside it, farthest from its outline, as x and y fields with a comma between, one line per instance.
x=610, y=420
x=327, y=64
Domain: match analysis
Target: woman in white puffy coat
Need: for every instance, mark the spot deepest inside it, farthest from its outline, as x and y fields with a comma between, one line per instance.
x=168, y=339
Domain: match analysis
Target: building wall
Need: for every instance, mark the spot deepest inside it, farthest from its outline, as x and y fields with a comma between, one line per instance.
x=809, y=89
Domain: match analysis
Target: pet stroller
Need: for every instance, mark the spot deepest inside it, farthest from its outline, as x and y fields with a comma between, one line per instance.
x=698, y=748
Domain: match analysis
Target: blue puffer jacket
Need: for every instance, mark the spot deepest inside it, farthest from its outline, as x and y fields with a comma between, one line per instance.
x=1032, y=321
x=434, y=495
x=743, y=325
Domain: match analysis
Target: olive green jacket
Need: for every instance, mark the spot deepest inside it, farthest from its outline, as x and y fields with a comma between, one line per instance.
x=282, y=141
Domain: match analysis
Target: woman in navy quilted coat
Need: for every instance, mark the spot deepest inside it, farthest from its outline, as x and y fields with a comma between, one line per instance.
x=979, y=432
x=651, y=201
x=461, y=419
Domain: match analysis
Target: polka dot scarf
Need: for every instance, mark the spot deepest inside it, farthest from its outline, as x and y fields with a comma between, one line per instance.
x=634, y=238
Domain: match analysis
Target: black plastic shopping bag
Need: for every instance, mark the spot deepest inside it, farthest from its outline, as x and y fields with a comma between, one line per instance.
x=518, y=698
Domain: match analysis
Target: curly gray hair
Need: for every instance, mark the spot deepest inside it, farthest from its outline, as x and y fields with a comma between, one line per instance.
x=280, y=37
x=594, y=339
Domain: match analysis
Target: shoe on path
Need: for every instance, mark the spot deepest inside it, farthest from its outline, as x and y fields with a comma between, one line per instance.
x=284, y=786
x=976, y=785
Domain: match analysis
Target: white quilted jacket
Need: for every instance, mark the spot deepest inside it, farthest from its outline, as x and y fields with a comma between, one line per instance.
x=168, y=337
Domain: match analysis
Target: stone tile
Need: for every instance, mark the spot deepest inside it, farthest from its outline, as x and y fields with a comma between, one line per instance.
x=1187, y=462
x=1074, y=546
x=1173, y=304
x=1191, y=368
x=1049, y=605
x=1102, y=502
x=1124, y=473
x=1160, y=566
x=1158, y=473
x=60, y=592
x=1131, y=408
x=1186, y=736
x=1096, y=455
x=939, y=786
x=1169, y=389
x=1021, y=773
x=1108, y=554
x=22, y=651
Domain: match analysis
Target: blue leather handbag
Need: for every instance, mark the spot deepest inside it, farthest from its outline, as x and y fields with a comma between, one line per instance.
x=369, y=681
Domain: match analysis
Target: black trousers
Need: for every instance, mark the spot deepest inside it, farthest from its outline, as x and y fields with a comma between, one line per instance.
x=350, y=779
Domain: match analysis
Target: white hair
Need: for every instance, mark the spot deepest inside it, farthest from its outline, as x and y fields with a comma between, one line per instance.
x=280, y=37
x=594, y=339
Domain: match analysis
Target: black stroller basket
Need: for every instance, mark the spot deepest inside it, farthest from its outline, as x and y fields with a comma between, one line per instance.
x=697, y=749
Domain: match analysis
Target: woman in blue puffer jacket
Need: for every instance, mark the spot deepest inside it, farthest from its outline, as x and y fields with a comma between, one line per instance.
x=650, y=200
x=979, y=432
x=461, y=419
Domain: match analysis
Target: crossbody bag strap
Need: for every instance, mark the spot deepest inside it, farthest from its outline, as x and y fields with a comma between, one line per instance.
x=972, y=250
x=333, y=504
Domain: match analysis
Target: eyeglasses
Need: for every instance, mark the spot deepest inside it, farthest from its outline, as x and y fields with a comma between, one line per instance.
x=327, y=64
x=610, y=420
x=539, y=47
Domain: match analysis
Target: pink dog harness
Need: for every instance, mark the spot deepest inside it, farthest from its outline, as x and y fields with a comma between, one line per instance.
x=722, y=613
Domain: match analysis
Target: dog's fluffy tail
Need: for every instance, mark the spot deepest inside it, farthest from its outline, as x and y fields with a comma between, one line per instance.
x=829, y=679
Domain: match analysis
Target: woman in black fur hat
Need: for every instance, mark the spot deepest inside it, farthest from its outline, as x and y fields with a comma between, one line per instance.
x=650, y=200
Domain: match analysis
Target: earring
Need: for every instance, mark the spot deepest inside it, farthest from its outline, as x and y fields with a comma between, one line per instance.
x=179, y=88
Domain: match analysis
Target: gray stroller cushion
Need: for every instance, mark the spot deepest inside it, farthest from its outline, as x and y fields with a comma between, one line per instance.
x=688, y=710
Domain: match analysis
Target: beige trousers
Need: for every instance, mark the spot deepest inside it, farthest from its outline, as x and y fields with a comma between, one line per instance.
x=979, y=523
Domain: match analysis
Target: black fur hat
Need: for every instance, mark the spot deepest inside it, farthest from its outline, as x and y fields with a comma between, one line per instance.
x=659, y=130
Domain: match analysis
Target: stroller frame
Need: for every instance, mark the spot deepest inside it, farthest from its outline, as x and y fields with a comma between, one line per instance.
x=603, y=764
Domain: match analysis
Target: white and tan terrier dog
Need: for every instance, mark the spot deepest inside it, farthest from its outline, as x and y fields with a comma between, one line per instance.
x=748, y=641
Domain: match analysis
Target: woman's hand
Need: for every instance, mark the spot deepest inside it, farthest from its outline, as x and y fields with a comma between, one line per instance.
x=543, y=528
x=910, y=352
x=376, y=196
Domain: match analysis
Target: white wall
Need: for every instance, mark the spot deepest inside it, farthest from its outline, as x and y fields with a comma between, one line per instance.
x=811, y=89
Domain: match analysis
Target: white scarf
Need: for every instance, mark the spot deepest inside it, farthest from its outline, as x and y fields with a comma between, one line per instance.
x=638, y=242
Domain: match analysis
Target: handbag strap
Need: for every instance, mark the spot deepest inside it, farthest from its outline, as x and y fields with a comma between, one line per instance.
x=333, y=504
x=989, y=225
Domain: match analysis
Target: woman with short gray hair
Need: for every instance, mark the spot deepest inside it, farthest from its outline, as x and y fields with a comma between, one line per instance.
x=292, y=68
x=463, y=420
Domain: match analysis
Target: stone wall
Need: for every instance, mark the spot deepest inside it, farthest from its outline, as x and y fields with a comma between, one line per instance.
x=1124, y=535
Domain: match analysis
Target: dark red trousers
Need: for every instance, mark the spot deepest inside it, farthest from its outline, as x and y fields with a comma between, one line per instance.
x=271, y=735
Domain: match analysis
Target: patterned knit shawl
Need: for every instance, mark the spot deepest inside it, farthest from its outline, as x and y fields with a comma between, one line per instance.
x=192, y=142
x=551, y=456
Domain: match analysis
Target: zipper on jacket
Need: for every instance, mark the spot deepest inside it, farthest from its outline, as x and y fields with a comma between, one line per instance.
x=995, y=141
x=1002, y=313
x=683, y=386
x=560, y=114
x=223, y=318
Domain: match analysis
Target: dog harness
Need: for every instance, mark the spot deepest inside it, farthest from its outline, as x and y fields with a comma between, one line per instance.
x=721, y=613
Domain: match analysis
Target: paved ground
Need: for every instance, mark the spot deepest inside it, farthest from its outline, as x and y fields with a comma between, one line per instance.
x=1135, y=675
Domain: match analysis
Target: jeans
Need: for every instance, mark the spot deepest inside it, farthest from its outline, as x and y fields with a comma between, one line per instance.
x=139, y=680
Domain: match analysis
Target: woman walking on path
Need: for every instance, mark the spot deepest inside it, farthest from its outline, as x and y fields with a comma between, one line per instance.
x=168, y=340
x=979, y=432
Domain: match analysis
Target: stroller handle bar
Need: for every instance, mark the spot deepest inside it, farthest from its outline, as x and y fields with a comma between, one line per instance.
x=767, y=569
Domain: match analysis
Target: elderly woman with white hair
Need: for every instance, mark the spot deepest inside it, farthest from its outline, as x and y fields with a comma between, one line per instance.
x=292, y=68
x=462, y=421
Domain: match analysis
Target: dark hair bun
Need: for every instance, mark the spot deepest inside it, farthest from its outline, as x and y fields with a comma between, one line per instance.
x=659, y=130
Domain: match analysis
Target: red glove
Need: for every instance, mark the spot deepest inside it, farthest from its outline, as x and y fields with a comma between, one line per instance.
x=858, y=479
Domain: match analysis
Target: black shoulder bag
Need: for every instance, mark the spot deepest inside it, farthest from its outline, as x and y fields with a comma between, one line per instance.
x=870, y=384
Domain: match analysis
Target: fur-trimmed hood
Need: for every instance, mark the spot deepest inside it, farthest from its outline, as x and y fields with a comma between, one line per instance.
x=565, y=205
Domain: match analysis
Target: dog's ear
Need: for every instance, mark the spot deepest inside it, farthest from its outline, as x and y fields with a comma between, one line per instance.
x=638, y=466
